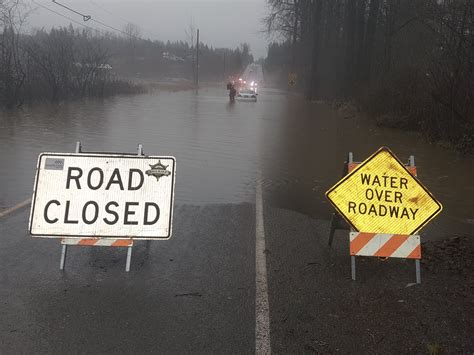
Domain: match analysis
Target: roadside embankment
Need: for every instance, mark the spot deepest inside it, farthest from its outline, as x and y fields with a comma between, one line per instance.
x=317, y=308
x=171, y=85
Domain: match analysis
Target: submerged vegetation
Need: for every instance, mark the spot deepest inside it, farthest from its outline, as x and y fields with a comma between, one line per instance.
x=56, y=65
x=409, y=63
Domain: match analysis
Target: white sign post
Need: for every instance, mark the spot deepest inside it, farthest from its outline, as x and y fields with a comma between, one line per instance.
x=102, y=199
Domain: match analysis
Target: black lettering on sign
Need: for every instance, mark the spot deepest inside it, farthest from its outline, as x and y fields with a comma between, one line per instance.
x=89, y=178
x=157, y=213
x=352, y=205
x=393, y=182
x=404, y=214
x=130, y=179
x=72, y=177
x=84, y=212
x=369, y=194
x=115, y=179
x=384, y=195
x=381, y=210
x=365, y=179
x=403, y=182
x=398, y=197
x=46, y=218
x=66, y=215
x=394, y=211
x=376, y=181
x=372, y=210
x=112, y=212
x=129, y=213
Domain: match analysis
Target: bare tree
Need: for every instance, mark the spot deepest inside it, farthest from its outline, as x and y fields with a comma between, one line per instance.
x=410, y=62
x=13, y=14
x=133, y=33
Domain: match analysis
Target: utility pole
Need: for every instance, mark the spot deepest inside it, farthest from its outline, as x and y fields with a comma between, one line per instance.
x=197, y=59
x=292, y=73
x=224, y=67
x=295, y=32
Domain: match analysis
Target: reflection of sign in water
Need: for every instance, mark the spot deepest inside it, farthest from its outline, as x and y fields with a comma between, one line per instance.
x=292, y=79
x=381, y=196
x=103, y=195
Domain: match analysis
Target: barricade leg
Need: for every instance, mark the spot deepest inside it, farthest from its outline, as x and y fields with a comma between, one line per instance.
x=418, y=271
x=129, y=259
x=332, y=229
x=62, y=263
x=353, y=267
x=335, y=218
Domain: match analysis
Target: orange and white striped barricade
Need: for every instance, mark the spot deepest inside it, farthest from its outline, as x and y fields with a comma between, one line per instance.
x=103, y=199
x=385, y=245
x=97, y=242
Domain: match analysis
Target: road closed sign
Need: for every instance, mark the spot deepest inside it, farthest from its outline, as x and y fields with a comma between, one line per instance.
x=103, y=195
x=381, y=196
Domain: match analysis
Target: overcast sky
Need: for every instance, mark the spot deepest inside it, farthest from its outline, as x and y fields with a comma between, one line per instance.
x=222, y=23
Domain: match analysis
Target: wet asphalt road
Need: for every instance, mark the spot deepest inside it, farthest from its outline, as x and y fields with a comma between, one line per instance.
x=193, y=293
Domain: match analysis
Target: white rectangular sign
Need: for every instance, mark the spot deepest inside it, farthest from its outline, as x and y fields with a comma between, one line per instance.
x=103, y=195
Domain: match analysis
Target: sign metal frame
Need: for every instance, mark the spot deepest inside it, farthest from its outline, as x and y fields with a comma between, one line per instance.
x=110, y=241
x=349, y=168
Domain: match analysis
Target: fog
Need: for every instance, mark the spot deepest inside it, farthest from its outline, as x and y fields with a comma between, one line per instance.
x=223, y=23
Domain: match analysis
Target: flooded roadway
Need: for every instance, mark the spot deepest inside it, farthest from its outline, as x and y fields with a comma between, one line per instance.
x=297, y=149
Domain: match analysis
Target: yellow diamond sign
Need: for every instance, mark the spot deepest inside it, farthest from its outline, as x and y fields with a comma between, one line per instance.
x=381, y=196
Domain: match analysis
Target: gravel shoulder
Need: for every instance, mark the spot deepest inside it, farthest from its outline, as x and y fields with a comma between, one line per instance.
x=317, y=308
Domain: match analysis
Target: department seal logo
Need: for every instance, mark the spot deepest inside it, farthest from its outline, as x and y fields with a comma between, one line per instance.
x=158, y=170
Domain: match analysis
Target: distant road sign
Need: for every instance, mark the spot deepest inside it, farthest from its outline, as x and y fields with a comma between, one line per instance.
x=381, y=196
x=103, y=195
x=292, y=79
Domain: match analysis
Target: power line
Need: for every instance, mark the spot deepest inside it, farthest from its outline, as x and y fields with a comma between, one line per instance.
x=109, y=12
x=89, y=17
x=66, y=17
x=128, y=22
x=112, y=28
x=84, y=17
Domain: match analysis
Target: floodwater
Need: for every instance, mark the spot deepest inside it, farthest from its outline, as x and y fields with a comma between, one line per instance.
x=294, y=148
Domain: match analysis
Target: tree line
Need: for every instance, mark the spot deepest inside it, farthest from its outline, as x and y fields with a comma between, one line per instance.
x=161, y=60
x=52, y=65
x=69, y=62
x=407, y=62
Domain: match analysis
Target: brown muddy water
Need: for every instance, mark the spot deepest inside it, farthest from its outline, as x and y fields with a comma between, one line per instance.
x=296, y=149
